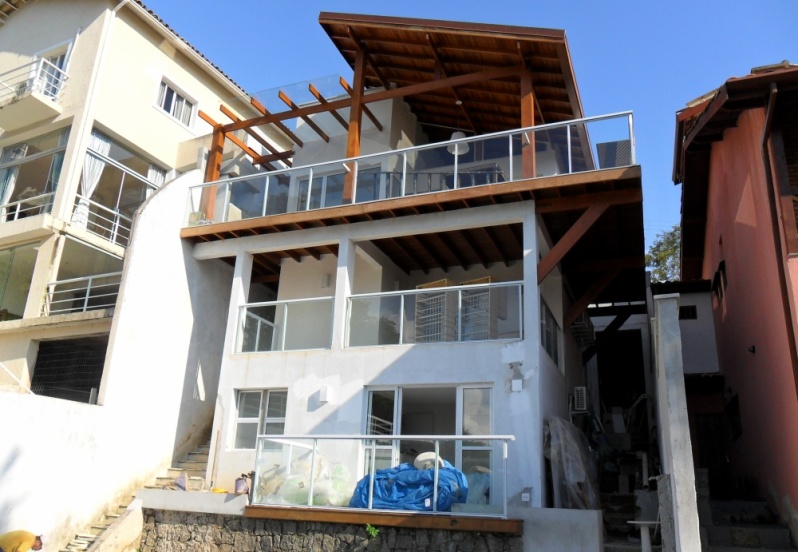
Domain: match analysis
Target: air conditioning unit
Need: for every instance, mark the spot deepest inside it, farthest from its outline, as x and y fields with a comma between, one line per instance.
x=580, y=399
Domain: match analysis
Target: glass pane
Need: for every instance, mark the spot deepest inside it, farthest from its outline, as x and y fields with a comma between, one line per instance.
x=258, y=329
x=245, y=435
x=476, y=414
x=308, y=325
x=334, y=194
x=277, y=202
x=276, y=406
x=477, y=469
x=274, y=428
x=16, y=271
x=374, y=321
x=383, y=458
x=249, y=404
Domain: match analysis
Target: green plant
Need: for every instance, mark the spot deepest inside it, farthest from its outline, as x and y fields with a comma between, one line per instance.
x=372, y=531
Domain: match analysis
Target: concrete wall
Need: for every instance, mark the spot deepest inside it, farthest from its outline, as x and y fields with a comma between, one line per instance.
x=700, y=355
x=739, y=231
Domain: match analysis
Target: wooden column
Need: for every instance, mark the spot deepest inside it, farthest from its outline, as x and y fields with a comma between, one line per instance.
x=213, y=170
x=527, y=120
x=355, y=115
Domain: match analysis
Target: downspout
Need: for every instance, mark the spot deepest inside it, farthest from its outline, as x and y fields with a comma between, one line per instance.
x=778, y=239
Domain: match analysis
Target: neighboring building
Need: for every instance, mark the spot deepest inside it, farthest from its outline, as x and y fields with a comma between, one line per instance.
x=391, y=284
x=736, y=157
x=99, y=108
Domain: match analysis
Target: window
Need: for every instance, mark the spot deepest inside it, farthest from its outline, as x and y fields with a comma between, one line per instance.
x=688, y=312
x=175, y=104
x=549, y=332
x=259, y=413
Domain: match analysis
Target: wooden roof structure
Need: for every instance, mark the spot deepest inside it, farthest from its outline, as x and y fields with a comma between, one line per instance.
x=481, y=78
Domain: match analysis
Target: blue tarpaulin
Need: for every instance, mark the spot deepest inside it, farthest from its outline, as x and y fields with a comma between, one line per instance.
x=406, y=488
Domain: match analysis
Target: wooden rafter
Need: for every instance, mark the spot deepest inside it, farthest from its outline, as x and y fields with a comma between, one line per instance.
x=369, y=58
x=469, y=243
x=497, y=244
x=366, y=110
x=422, y=243
x=267, y=114
x=562, y=247
x=607, y=332
x=311, y=252
x=579, y=306
x=449, y=244
x=256, y=157
x=262, y=141
x=322, y=100
x=583, y=201
x=397, y=243
x=266, y=264
x=440, y=73
x=290, y=103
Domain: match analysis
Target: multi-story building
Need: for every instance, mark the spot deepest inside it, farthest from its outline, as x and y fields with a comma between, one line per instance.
x=421, y=272
x=100, y=105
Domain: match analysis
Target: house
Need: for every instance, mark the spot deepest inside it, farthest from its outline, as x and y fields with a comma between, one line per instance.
x=416, y=283
x=735, y=156
x=99, y=108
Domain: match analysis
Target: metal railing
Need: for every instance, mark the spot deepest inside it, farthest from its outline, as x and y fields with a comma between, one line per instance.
x=457, y=313
x=290, y=325
x=82, y=294
x=101, y=220
x=28, y=207
x=458, y=474
x=560, y=148
x=36, y=76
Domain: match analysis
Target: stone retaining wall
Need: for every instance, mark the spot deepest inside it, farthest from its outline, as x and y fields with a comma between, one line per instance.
x=168, y=531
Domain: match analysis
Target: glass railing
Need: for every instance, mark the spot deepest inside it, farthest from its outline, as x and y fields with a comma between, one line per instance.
x=457, y=313
x=82, y=294
x=36, y=76
x=560, y=148
x=286, y=325
x=418, y=473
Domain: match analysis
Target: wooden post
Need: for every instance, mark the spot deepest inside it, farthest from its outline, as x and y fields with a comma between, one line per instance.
x=213, y=170
x=355, y=115
x=527, y=120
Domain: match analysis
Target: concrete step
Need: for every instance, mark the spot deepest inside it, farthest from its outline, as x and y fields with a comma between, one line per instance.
x=198, y=456
x=194, y=483
x=725, y=512
x=175, y=472
x=192, y=465
x=750, y=535
x=723, y=548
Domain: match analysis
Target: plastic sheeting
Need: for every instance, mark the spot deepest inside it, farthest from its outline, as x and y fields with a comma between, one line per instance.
x=406, y=488
x=573, y=472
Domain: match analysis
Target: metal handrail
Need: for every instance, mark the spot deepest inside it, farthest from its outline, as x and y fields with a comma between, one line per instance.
x=115, y=230
x=36, y=76
x=41, y=202
x=84, y=291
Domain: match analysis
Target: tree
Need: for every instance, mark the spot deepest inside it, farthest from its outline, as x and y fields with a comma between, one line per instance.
x=663, y=257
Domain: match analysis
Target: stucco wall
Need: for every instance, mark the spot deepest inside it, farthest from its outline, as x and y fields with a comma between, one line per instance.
x=739, y=231
x=699, y=352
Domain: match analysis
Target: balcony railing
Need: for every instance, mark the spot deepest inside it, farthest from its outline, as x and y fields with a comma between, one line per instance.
x=286, y=325
x=28, y=207
x=560, y=148
x=429, y=474
x=36, y=76
x=101, y=220
x=82, y=294
x=460, y=313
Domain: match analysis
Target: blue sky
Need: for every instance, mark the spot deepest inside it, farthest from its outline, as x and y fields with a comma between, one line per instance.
x=650, y=57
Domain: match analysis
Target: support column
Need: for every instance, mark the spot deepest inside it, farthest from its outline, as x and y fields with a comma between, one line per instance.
x=213, y=169
x=43, y=273
x=527, y=120
x=239, y=292
x=355, y=116
x=344, y=277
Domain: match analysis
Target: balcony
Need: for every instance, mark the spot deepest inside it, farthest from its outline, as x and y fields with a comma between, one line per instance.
x=27, y=207
x=466, y=168
x=479, y=312
x=102, y=221
x=425, y=474
x=82, y=294
x=30, y=93
x=292, y=325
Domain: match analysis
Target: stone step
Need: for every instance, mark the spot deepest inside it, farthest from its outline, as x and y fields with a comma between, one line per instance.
x=750, y=535
x=199, y=456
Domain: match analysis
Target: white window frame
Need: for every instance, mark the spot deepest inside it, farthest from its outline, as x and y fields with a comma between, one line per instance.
x=168, y=84
x=263, y=420
x=544, y=323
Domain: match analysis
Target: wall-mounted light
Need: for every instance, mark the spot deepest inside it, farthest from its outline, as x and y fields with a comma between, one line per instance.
x=752, y=349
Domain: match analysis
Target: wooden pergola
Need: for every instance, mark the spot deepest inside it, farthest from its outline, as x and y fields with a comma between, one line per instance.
x=479, y=78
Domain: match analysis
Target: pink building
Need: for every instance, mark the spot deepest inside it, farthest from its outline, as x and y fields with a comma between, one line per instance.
x=736, y=156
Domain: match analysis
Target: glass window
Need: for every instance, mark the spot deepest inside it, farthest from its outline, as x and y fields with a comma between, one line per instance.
x=549, y=332
x=175, y=104
x=259, y=412
x=16, y=271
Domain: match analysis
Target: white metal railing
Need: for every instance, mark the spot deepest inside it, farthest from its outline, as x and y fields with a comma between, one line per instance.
x=453, y=474
x=27, y=207
x=456, y=313
x=82, y=294
x=290, y=325
x=101, y=220
x=36, y=76
x=561, y=148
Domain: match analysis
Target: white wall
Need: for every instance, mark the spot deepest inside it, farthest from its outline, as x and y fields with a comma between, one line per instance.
x=699, y=352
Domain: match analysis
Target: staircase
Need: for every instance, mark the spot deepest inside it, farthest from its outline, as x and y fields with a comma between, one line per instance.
x=744, y=526
x=619, y=535
x=193, y=465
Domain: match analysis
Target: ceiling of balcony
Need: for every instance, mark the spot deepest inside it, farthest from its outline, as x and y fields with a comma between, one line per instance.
x=405, y=52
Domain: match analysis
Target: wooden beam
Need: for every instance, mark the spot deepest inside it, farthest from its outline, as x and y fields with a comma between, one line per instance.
x=474, y=249
x=260, y=139
x=397, y=243
x=366, y=110
x=583, y=201
x=369, y=58
x=449, y=244
x=562, y=247
x=409, y=90
x=290, y=103
x=266, y=114
x=355, y=119
x=497, y=245
x=528, y=161
x=263, y=261
x=423, y=245
x=607, y=332
x=310, y=253
x=625, y=263
x=322, y=100
x=589, y=296
x=440, y=73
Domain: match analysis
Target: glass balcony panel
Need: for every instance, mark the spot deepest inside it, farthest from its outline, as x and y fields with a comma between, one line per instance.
x=246, y=198
x=277, y=200
x=286, y=326
x=374, y=321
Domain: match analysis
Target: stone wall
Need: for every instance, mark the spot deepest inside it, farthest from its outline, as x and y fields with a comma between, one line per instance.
x=168, y=531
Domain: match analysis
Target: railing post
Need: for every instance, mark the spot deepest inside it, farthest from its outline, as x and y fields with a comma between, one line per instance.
x=520, y=311
x=227, y=193
x=310, y=188
x=632, y=139
x=401, y=319
x=504, y=470
x=510, y=149
x=88, y=293
x=404, y=174
x=265, y=196
x=371, y=472
x=285, y=326
x=312, y=471
x=459, y=315
x=570, y=159
x=257, y=334
x=435, y=478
